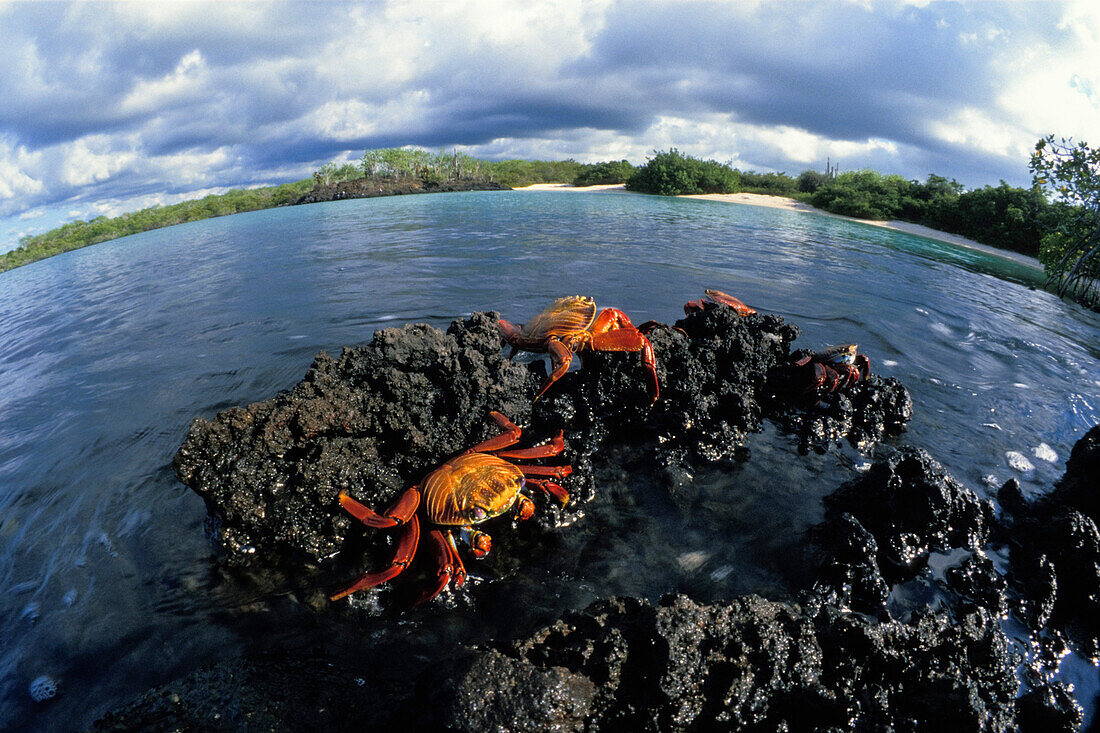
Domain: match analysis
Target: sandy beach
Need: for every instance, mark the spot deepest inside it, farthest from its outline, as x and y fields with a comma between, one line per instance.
x=789, y=204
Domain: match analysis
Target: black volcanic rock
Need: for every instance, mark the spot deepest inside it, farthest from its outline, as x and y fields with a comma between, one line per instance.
x=755, y=664
x=863, y=413
x=749, y=664
x=376, y=419
x=712, y=368
x=625, y=664
x=893, y=516
x=1055, y=548
x=371, y=422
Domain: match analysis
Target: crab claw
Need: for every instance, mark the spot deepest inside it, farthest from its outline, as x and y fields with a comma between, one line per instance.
x=406, y=550
x=552, y=488
x=509, y=332
x=525, y=508
x=445, y=560
x=480, y=543
x=863, y=364
x=398, y=514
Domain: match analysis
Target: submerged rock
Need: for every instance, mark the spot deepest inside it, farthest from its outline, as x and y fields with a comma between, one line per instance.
x=836, y=660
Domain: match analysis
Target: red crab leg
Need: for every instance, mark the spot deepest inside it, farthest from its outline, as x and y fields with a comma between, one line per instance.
x=630, y=339
x=560, y=359
x=508, y=437
x=552, y=471
x=443, y=557
x=551, y=488
x=553, y=448
x=864, y=365
x=398, y=514
x=406, y=550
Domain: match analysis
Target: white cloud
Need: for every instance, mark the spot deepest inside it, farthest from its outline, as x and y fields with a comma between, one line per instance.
x=15, y=180
x=93, y=159
x=191, y=167
x=187, y=81
x=975, y=129
x=125, y=102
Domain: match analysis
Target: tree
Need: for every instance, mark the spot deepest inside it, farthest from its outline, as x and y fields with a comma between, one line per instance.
x=672, y=173
x=1070, y=251
x=607, y=172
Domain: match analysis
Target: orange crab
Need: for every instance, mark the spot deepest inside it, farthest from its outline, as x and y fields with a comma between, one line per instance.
x=570, y=325
x=469, y=489
x=715, y=297
x=711, y=299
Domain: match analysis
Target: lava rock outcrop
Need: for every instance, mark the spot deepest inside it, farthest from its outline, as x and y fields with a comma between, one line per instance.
x=377, y=418
x=836, y=659
x=752, y=664
x=371, y=422
x=1055, y=547
x=880, y=527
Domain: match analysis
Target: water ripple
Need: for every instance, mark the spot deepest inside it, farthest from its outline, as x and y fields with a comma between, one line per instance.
x=103, y=552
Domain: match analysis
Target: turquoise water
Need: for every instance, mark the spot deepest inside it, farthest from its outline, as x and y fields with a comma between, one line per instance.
x=107, y=582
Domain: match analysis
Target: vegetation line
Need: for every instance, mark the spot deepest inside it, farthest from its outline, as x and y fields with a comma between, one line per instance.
x=1061, y=231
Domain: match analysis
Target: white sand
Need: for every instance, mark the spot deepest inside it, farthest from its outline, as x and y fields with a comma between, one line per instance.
x=602, y=188
x=789, y=204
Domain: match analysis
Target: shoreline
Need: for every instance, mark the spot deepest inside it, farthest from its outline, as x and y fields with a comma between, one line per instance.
x=789, y=204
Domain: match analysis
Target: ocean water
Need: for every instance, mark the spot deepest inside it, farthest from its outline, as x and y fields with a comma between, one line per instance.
x=108, y=583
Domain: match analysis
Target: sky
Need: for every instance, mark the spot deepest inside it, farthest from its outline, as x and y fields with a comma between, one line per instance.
x=112, y=107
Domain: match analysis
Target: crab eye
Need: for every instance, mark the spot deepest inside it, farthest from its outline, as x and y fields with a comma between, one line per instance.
x=478, y=514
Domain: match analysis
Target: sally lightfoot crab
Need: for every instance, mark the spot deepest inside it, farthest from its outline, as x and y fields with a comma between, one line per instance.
x=710, y=299
x=471, y=488
x=713, y=298
x=825, y=372
x=570, y=325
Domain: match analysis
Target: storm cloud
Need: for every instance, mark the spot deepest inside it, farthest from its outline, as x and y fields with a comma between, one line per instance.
x=111, y=107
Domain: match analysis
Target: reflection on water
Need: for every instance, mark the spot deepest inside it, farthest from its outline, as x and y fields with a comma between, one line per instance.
x=107, y=582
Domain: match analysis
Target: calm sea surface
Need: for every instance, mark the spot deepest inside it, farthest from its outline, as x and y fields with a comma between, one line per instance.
x=108, y=584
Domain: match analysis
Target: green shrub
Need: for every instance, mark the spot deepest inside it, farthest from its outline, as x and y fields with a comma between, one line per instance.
x=77, y=234
x=673, y=173
x=769, y=184
x=864, y=194
x=609, y=172
x=517, y=173
x=810, y=181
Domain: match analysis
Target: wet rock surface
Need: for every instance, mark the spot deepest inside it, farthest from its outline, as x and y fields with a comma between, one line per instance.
x=371, y=422
x=1055, y=547
x=376, y=419
x=907, y=578
x=898, y=512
